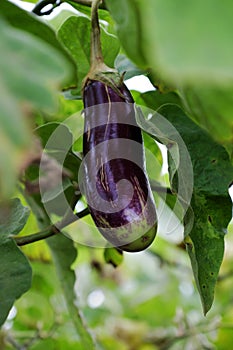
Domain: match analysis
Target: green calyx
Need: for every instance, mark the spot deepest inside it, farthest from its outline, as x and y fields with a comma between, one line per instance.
x=106, y=75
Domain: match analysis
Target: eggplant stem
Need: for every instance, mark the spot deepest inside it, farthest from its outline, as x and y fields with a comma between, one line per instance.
x=96, y=50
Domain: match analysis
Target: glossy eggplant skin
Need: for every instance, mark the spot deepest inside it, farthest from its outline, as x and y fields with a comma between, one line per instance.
x=114, y=177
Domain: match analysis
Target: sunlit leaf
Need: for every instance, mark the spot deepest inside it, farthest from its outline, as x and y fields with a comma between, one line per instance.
x=75, y=34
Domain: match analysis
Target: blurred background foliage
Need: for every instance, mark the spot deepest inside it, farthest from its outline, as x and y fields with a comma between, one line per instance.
x=150, y=300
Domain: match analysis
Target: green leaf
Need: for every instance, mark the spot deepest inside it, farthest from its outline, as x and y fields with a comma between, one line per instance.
x=24, y=53
x=187, y=41
x=153, y=157
x=211, y=204
x=20, y=91
x=15, y=271
x=113, y=256
x=15, y=276
x=104, y=16
x=205, y=245
x=156, y=99
x=13, y=217
x=127, y=67
x=213, y=172
x=126, y=15
x=211, y=108
x=32, y=24
x=75, y=36
x=211, y=207
x=55, y=136
x=56, y=139
x=64, y=254
x=163, y=131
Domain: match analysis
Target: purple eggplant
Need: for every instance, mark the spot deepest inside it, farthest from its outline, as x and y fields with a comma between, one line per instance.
x=114, y=176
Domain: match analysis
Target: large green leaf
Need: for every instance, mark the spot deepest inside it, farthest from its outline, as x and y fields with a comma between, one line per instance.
x=187, y=45
x=75, y=35
x=211, y=204
x=15, y=271
x=212, y=108
x=25, y=81
x=32, y=24
x=211, y=207
x=188, y=41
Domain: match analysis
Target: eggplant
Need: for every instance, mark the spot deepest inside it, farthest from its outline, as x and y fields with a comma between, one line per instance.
x=114, y=177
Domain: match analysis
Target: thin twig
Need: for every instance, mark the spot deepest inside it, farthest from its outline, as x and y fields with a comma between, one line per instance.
x=51, y=230
x=160, y=189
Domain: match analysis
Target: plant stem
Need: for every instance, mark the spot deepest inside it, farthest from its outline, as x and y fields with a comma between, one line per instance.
x=51, y=230
x=96, y=50
x=160, y=189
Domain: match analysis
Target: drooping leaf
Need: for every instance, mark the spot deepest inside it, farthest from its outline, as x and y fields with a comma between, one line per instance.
x=211, y=204
x=75, y=36
x=15, y=271
x=211, y=207
x=64, y=254
x=205, y=245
